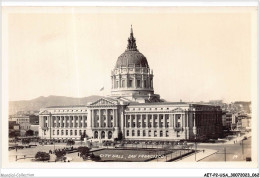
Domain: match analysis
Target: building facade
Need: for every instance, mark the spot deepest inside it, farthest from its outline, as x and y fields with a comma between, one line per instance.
x=132, y=111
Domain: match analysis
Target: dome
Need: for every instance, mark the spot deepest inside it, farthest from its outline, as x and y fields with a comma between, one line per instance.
x=131, y=58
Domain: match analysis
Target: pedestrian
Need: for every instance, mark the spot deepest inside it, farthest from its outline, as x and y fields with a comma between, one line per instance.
x=234, y=142
x=78, y=154
x=203, y=151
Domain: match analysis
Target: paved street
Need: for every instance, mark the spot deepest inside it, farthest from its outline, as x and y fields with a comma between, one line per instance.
x=233, y=151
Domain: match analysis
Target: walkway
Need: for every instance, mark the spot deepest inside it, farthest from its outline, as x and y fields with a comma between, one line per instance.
x=199, y=156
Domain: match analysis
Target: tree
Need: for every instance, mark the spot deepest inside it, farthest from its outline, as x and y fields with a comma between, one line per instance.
x=82, y=136
x=42, y=156
x=29, y=133
x=14, y=134
x=120, y=136
x=26, y=141
x=70, y=142
x=84, y=152
x=60, y=154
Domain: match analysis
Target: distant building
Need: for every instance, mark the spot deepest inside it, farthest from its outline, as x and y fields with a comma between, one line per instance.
x=24, y=127
x=14, y=129
x=20, y=119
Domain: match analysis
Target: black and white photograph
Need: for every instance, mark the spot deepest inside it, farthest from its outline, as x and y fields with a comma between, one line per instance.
x=116, y=85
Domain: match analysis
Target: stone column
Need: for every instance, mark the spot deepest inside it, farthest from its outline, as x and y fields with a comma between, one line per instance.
x=70, y=121
x=171, y=120
x=100, y=119
x=92, y=118
x=181, y=120
x=174, y=120
x=136, y=121
x=164, y=121
x=116, y=118
x=152, y=124
x=107, y=120
x=130, y=121
x=147, y=120
x=74, y=121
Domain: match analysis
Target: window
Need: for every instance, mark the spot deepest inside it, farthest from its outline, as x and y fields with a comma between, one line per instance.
x=144, y=133
x=145, y=84
x=138, y=83
x=149, y=133
x=76, y=132
x=130, y=83
x=62, y=132
x=71, y=133
x=138, y=133
x=133, y=133
x=127, y=133
x=167, y=133
x=58, y=132
x=53, y=132
x=67, y=132
x=155, y=133
x=123, y=83
x=161, y=133
x=178, y=134
x=117, y=84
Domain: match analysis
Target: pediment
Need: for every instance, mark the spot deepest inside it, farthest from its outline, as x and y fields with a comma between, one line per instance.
x=44, y=112
x=102, y=102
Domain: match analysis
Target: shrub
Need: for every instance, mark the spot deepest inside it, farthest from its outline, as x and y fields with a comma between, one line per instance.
x=42, y=156
x=70, y=142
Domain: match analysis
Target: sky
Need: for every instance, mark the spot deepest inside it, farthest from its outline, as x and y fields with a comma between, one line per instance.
x=196, y=54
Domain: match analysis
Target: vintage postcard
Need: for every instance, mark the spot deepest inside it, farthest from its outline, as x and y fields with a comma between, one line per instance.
x=129, y=87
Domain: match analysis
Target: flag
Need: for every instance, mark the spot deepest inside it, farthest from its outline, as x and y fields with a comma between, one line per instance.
x=101, y=89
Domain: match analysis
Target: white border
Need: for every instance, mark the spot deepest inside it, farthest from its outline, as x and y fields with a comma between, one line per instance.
x=112, y=172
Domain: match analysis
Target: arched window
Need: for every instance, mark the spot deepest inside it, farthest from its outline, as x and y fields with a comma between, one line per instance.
x=102, y=134
x=96, y=134
x=138, y=133
x=133, y=133
x=109, y=134
x=144, y=133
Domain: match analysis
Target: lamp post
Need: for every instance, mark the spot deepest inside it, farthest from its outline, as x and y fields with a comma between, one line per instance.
x=195, y=147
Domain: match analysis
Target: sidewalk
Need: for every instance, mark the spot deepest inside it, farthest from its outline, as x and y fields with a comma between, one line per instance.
x=199, y=155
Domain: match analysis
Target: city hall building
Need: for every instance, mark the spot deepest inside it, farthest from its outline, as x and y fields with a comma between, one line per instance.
x=132, y=111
